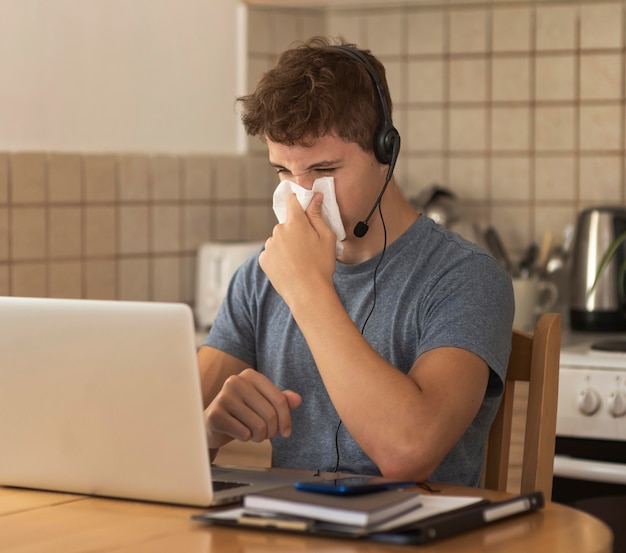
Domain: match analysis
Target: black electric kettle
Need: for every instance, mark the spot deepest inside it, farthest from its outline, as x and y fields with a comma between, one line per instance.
x=597, y=300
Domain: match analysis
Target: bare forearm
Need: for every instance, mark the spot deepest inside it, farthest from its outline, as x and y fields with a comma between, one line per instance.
x=405, y=423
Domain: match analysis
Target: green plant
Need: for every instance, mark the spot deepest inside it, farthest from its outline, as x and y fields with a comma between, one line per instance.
x=604, y=262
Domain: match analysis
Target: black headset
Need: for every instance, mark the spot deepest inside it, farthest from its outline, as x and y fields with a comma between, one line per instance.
x=386, y=138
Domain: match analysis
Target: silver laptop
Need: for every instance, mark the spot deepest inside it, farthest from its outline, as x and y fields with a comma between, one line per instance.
x=103, y=398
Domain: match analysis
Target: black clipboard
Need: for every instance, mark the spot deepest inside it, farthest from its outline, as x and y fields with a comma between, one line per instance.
x=463, y=520
x=430, y=529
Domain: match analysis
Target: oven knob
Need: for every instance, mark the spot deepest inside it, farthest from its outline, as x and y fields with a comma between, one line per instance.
x=588, y=401
x=617, y=403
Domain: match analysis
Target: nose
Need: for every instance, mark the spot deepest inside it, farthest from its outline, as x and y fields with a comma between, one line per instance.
x=304, y=179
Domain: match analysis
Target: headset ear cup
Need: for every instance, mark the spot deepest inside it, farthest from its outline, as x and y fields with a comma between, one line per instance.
x=384, y=144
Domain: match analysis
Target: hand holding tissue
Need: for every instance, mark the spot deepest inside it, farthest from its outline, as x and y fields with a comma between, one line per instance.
x=330, y=209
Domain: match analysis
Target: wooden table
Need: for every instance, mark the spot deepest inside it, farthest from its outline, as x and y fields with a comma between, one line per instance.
x=38, y=522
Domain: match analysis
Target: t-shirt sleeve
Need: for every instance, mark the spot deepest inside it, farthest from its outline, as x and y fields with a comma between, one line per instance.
x=233, y=331
x=471, y=307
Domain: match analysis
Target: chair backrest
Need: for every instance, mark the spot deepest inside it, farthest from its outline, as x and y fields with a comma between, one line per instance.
x=534, y=359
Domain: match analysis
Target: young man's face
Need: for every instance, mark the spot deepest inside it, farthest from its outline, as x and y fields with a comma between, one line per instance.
x=358, y=176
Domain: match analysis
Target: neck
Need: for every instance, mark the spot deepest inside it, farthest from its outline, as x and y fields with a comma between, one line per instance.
x=398, y=216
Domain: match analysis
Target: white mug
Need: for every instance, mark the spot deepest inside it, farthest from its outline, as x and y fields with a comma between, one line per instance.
x=533, y=297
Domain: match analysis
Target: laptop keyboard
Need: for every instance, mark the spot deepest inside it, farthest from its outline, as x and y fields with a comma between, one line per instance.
x=219, y=486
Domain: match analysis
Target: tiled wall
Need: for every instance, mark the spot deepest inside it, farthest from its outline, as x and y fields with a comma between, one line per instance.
x=121, y=226
x=518, y=107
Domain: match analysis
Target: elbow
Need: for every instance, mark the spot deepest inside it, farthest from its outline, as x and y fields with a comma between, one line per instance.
x=408, y=465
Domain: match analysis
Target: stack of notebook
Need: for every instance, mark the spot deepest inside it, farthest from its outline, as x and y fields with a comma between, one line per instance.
x=395, y=516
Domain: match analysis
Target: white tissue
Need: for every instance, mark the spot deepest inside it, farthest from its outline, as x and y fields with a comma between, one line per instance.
x=330, y=209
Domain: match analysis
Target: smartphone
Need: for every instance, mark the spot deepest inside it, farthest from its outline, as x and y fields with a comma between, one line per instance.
x=353, y=485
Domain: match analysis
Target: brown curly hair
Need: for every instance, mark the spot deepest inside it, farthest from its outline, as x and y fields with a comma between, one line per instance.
x=315, y=90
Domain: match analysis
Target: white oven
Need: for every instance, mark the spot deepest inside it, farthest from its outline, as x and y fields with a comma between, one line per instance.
x=590, y=460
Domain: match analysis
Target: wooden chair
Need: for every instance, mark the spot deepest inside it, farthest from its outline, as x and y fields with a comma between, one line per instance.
x=534, y=359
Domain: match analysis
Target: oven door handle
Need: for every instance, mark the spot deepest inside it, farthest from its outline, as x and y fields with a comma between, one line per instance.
x=584, y=469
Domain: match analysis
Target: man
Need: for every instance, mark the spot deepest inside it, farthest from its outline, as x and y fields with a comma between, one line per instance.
x=388, y=359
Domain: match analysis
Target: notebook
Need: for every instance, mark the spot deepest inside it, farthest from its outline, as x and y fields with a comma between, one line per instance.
x=103, y=398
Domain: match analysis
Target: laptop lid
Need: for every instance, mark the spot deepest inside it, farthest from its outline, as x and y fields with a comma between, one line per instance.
x=102, y=397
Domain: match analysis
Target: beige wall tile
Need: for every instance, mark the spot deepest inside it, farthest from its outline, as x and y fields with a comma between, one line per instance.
x=133, y=229
x=510, y=79
x=510, y=178
x=422, y=172
x=426, y=81
x=554, y=128
x=165, y=172
x=601, y=25
x=259, y=222
x=518, y=236
x=555, y=77
x=555, y=178
x=227, y=174
x=100, y=231
x=28, y=178
x=134, y=279
x=4, y=280
x=197, y=178
x=227, y=220
x=166, y=228
x=188, y=277
x=395, y=73
x=553, y=218
x=426, y=31
x=348, y=24
x=260, y=179
x=134, y=178
x=28, y=233
x=4, y=178
x=311, y=23
x=166, y=279
x=601, y=179
x=556, y=27
x=468, y=30
x=260, y=30
x=511, y=29
x=384, y=31
x=600, y=127
x=100, y=279
x=286, y=29
x=65, y=178
x=196, y=226
x=4, y=234
x=467, y=129
x=65, y=232
x=510, y=129
x=425, y=130
x=467, y=80
x=29, y=279
x=66, y=279
x=601, y=77
x=467, y=177
x=255, y=69
x=100, y=178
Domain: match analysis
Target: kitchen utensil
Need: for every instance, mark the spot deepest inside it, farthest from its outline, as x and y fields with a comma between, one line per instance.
x=439, y=204
x=527, y=262
x=497, y=249
x=596, y=298
x=544, y=252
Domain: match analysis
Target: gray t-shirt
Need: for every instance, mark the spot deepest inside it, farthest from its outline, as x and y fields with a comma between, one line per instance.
x=433, y=289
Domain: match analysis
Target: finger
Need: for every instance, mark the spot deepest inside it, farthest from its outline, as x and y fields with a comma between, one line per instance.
x=294, y=399
x=265, y=407
x=294, y=209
